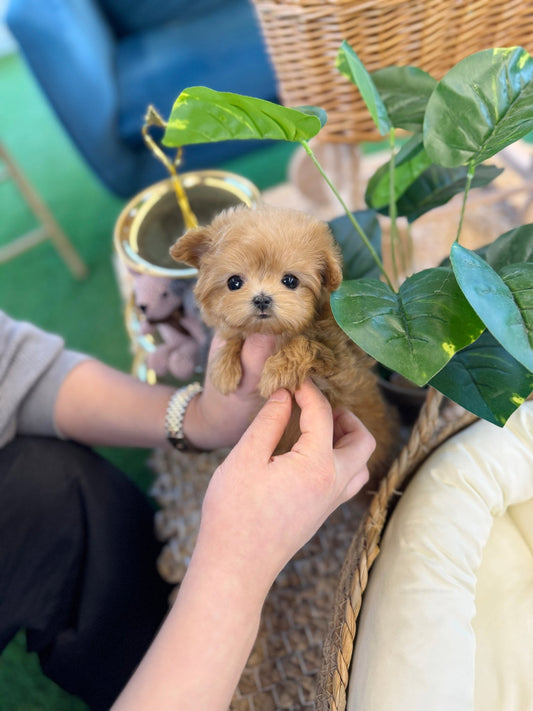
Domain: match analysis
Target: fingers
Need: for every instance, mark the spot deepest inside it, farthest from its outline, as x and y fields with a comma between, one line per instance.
x=347, y=428
x=352, y=441
x=316, y=424
x=263, y=435
x=353, y=447
x=256, y=349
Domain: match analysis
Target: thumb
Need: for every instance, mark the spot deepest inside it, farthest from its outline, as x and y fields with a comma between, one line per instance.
x=255, y=350
x=264, y=434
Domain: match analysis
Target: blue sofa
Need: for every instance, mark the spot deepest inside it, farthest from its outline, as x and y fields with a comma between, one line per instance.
x=101, y=62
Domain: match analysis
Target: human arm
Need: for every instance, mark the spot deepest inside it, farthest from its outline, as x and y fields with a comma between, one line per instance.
x=257, y=512
x=99, y=405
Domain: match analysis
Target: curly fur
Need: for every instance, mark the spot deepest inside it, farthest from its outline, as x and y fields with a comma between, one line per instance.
x=286, y=265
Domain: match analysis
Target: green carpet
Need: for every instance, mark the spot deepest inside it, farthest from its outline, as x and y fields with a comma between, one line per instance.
x=37, y=287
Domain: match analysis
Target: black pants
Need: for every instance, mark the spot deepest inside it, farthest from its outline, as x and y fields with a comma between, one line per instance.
x=77, y=566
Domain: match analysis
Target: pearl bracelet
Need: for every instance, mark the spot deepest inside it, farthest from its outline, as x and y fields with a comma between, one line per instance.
x=177, y=406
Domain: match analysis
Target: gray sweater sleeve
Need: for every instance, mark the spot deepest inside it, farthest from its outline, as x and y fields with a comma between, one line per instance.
x=33, y=364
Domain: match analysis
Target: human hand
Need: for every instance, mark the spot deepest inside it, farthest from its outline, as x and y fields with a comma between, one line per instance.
x=259, y=510
x=214, y=420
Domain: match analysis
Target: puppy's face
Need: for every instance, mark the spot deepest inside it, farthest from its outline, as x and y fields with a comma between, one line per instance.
x=261, y=270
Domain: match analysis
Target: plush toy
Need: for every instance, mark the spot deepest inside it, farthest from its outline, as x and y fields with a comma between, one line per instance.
x=167, y=308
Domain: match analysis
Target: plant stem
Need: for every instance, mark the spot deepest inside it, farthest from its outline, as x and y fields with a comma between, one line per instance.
x=469, y=178
x=348, y=212
x=393, y=212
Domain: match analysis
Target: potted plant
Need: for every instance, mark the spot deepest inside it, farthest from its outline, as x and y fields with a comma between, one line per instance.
x=466, y=326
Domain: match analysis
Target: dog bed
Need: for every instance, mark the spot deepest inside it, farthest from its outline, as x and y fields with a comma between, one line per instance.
x=446, y=621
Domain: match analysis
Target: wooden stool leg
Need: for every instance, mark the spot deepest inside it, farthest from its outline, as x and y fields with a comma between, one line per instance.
x=50, y=228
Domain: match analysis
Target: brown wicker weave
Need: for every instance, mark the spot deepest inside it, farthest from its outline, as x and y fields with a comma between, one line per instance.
x=304, y=36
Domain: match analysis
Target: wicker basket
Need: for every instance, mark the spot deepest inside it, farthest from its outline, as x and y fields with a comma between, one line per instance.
x=304, y=36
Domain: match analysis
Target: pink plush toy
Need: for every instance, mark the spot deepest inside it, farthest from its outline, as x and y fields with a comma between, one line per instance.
x=168, y=308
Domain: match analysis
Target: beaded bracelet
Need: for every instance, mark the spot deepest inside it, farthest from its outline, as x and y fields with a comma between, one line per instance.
x=177, y=406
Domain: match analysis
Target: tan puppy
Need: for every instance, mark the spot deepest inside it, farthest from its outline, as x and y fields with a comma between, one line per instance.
x=270, y=270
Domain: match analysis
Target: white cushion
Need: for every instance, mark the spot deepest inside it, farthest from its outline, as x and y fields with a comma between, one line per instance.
x=447, y=618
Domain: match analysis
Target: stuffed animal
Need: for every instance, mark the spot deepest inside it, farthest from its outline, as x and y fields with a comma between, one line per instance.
x=167, y=308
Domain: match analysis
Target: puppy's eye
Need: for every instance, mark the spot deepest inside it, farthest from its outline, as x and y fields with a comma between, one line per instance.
x=290, y=281
x=235, y=282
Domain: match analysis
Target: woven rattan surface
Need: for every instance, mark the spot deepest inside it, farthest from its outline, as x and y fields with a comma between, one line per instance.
x=304, y=36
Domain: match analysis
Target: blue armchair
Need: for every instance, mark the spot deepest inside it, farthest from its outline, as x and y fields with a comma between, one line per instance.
x=101, y=62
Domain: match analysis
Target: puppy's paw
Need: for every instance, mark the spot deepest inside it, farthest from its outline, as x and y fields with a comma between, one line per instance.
x=290, y=366
x=279, y=373
x=225, y=370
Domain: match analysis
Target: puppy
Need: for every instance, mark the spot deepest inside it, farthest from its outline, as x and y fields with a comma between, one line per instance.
x=270, y=270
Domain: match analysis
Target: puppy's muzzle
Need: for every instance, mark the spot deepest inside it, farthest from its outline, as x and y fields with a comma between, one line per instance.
x=262, y=303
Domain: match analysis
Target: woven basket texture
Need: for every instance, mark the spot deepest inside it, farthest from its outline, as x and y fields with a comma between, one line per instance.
x=303, y=38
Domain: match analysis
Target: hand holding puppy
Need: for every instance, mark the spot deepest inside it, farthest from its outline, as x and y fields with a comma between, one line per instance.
x=257, y=512
x=259, y=509
x=213, y=420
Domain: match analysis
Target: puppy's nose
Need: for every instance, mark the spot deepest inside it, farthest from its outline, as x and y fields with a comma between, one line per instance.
x=142, y=307
x=262, y=302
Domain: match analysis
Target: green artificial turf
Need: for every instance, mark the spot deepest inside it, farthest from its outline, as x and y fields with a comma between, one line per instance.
x=36, y=286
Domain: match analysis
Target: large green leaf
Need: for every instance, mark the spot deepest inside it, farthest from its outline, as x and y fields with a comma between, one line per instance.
x=511, y=248
x=202, y=115
x=357, y=262
x=483, y=104
x=486, y=380
x=405, y=92
x=504, y=301
x=415, y=331
x=349, y=64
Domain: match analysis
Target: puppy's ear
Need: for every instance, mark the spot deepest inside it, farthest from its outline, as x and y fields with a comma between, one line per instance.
x=191, y=247
x=332, y=270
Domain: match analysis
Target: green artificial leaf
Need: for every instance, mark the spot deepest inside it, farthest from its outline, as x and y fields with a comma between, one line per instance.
x=414, y=331
x=437, y=186
x=486, y=380
x=483, y=104
x=511, y=248
x=504, y=302
x=316, y=111
x=357, y=262
x=420, y=185
x=349, y=64
x=411, y=161
x=405, y=92
x=202, y=115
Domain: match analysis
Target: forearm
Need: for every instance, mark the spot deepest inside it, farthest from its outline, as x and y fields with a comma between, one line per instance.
x=198, y=656
x=98, y=405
